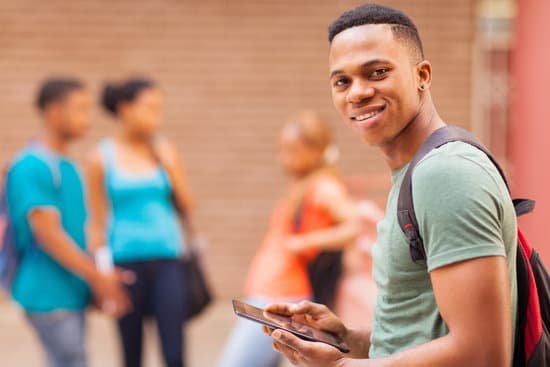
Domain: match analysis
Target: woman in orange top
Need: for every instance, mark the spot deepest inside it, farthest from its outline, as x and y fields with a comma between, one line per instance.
x=328, y=220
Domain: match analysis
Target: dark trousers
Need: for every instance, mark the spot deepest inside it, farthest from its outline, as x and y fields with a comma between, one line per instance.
x=158, y=292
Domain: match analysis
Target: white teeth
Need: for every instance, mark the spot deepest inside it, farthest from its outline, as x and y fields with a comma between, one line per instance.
x=367, y=115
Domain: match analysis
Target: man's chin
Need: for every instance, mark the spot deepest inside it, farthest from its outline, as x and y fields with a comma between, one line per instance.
x=73, y=136
x=371, y=139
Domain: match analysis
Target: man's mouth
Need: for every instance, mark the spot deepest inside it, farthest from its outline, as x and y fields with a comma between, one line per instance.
x=368, y=115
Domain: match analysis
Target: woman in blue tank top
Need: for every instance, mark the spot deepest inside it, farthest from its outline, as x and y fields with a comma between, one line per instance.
x=135, y=182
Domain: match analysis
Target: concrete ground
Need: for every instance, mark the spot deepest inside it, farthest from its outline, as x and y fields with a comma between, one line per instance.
x=205, y=336
x=19, y=347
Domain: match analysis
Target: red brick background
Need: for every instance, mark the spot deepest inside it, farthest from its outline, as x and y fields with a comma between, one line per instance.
x=232, y=71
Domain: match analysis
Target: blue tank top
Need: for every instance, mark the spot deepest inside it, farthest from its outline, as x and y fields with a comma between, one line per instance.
x=143, y=223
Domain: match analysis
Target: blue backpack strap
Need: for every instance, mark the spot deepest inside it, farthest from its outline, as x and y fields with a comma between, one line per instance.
x=405, y=206
x=9, y=255
x=51, y=160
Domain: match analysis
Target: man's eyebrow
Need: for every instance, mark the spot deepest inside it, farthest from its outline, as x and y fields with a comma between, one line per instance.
x=335, y=72
x=374, y=62
x=364, y=65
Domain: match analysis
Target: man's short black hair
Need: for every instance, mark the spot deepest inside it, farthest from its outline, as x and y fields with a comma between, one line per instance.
x=402, y=26
x=55, y=89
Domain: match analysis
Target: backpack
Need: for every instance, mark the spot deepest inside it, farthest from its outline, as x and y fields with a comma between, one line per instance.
x=532, y=338
x=10, y=255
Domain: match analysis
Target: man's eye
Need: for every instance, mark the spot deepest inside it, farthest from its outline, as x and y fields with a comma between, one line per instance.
x=341, y=82
x=379, y=72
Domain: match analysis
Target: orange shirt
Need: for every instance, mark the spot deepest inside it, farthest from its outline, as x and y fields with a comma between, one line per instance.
x=276, y=272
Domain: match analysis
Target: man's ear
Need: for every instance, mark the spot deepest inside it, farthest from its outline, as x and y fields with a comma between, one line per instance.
x=123, y=108
x=423, y=75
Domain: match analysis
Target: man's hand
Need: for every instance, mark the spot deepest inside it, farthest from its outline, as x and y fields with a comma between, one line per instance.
x=304, y=353
x=46, y=226
x=112, y=296
x=313, y=314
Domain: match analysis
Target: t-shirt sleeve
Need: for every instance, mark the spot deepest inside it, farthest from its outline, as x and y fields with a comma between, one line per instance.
x=459, y=208
x=30, y=185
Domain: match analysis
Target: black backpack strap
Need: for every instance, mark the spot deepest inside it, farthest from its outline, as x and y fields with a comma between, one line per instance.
x=523, y=206
x=405, y=206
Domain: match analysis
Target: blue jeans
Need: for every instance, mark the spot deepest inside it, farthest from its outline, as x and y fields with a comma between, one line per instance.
x=248, y=345
x=62, y=336
x=158, y=292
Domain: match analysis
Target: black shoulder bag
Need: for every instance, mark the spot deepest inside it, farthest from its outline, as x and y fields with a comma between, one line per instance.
x=198, y=293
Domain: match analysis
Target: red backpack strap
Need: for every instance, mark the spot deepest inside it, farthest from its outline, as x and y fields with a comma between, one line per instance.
x=529, y=326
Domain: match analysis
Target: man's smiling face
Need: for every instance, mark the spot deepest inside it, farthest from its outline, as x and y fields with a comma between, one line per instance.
x=374, y=81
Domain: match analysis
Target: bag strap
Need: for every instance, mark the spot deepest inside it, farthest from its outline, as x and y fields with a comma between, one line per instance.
x=298, y=216
x=189, y=231
x=405, y=206
x=50, y=159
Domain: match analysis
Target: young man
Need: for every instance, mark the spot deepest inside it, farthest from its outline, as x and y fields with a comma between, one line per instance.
x=458, y=307
x=46, y=207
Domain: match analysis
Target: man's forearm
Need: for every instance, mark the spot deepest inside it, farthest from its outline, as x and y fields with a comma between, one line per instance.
x=442, y=352
x=358, y=342
x=53, y=239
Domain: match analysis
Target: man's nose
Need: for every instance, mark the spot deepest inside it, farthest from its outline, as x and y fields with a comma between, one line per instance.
x=359, y=92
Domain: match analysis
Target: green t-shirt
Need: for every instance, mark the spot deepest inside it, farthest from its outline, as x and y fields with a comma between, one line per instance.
x=39, y=178
x=464, y=212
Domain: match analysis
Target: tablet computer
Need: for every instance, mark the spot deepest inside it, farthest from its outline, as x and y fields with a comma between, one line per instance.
x=286, y=323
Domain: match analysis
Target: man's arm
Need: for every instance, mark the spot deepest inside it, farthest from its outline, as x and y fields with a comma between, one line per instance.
x=474, y=301
x=46, y=226
x=321, y=317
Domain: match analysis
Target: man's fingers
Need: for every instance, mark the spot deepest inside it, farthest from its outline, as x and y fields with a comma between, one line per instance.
x=291, y=341
x=280, y=308
x=308, y=308
x=288, y=352
x=304, y=307
x=267, y=330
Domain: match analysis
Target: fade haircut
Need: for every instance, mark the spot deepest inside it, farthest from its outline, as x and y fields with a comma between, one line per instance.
x=402, y=26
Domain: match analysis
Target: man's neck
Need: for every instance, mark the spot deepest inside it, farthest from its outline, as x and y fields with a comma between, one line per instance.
x=405, y=145
x=55, y=142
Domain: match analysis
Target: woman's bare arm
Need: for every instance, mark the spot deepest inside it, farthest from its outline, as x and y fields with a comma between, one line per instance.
x=97, y=202
x=345, y=231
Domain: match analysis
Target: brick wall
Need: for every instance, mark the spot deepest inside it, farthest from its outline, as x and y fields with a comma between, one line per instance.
x=232, y=71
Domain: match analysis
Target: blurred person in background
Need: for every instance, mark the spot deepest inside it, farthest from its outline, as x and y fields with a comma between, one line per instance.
x=46, y=207
x=356, y=295
x=136, y=186
x=328, y=219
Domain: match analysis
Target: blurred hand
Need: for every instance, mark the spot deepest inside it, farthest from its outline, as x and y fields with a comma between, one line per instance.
x=111, y=293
